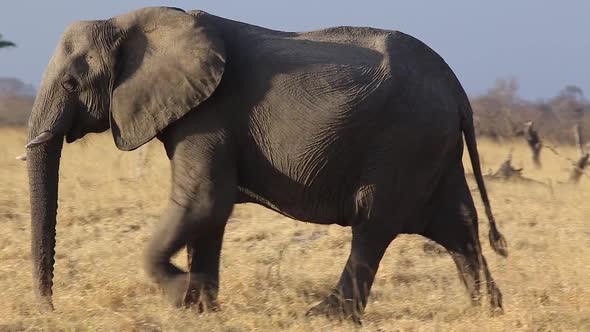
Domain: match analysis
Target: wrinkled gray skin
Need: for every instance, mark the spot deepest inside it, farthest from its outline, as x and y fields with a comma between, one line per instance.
x=354, y=126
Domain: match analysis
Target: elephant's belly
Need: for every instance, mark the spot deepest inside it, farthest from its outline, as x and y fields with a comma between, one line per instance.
x=326, y=183
x=307, y=207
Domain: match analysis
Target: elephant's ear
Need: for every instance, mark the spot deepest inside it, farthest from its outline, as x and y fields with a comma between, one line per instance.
x=167, y=63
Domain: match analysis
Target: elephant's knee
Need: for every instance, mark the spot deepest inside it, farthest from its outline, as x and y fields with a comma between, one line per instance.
x=157, y=264
x=151, y=263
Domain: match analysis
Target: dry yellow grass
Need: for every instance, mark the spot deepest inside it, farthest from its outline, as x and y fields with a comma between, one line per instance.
x=273, y=268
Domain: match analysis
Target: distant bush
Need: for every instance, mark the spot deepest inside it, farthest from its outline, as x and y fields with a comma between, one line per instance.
x=16, y=101
x=501, y=114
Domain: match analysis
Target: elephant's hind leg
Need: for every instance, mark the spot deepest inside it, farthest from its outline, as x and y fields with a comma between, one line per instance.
x=349, y=297
x=371, y=235
x=455, y=227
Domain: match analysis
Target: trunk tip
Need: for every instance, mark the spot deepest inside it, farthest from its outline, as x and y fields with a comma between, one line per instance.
x=46, y=304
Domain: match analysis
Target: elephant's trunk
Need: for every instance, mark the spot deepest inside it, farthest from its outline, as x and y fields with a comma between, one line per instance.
x=43, y=167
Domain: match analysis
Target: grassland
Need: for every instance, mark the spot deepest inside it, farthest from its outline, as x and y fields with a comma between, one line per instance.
x=274, y=268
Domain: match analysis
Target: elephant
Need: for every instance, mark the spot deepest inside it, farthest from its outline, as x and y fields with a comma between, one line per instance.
x=354, y=126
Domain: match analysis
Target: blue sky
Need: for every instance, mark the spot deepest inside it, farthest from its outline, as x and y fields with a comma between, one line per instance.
x=545, y=45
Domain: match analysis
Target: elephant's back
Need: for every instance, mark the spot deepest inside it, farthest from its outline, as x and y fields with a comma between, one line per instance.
x=367, y=37
x=416, y=76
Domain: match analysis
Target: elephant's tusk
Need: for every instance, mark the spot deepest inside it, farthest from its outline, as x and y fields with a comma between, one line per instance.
x=42, y=138
x=22, y=157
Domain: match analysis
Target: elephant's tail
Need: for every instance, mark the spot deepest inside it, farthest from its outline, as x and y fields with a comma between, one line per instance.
x=497, y=240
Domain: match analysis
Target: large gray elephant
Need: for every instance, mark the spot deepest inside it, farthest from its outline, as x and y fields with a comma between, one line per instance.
x=352, y=126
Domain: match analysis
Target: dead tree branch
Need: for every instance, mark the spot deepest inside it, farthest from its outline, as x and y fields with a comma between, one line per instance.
x=534, y=142
x=582, y=162
x=506, y=171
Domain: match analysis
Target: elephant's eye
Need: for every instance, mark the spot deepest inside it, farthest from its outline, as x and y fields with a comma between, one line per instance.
x=70, y=83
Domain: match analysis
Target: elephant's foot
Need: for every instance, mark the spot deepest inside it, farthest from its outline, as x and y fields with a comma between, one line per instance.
x=201, y=296
x=335, y=307
x=196, y=294
x=174, y=289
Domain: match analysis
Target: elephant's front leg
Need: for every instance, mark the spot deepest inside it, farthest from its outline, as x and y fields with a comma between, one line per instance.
x=203, y=194
x=203, y=251
x=168, y=238
x=202, y=233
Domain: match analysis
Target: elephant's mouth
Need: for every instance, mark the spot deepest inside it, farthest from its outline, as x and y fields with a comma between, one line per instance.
x=73, y=135
x=75, y=132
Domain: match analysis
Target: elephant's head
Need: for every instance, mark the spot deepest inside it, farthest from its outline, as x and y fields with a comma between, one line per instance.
x=134, y=73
